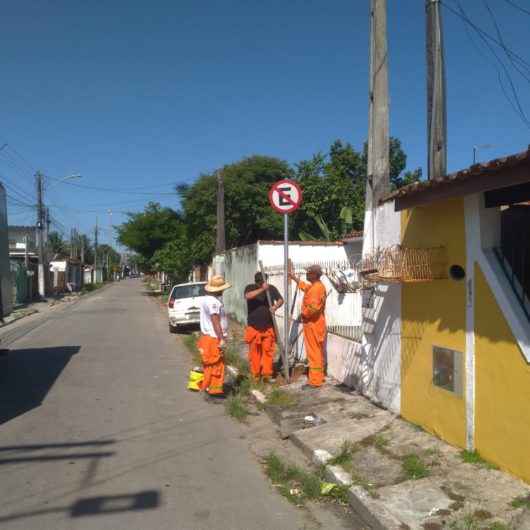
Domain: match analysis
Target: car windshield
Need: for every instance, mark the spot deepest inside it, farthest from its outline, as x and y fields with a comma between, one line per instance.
x=188, y=291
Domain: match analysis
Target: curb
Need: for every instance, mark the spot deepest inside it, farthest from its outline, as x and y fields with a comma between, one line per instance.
x=372, y=512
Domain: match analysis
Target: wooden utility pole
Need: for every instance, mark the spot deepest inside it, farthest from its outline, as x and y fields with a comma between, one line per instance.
x=378, y=162
x=40, y=235
x=436, y=94
x=221, y=242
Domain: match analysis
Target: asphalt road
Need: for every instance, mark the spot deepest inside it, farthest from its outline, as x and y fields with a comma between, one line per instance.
x=97, y=429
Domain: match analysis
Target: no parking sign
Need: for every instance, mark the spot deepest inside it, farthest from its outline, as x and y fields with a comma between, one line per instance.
x=285, y=196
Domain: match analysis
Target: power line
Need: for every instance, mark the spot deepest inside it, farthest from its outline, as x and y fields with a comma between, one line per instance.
x=115, y=190
x=516, y=6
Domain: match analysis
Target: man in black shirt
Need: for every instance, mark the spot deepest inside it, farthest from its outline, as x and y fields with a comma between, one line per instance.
x=259, y=333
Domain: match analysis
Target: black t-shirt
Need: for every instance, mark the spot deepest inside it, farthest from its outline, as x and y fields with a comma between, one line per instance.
x=259, y=314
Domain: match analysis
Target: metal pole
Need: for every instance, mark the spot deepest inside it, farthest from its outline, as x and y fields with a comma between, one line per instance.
x=96, y=251
x=286, y=311
x=40, y=235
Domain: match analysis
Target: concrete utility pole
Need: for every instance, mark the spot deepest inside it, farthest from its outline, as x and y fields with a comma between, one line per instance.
x=96, y=231
x=221, y=242
x=436, y=94
x=378, y=184
x=40, y=235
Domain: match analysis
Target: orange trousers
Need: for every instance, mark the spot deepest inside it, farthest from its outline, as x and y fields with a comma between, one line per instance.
x=314, y=340
x=260, y=351
x=212, y=363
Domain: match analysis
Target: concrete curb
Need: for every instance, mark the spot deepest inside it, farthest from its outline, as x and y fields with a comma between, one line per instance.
x=370, y=510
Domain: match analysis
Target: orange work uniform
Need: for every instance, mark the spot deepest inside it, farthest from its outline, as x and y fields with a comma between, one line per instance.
x=213, y=364
x=261, y=347
x=314, y=321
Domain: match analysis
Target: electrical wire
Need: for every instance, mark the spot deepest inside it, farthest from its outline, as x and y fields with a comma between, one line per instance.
x=516, y=6
x=487, y=39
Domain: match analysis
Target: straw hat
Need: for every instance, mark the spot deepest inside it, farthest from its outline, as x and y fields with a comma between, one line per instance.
x=216, y=284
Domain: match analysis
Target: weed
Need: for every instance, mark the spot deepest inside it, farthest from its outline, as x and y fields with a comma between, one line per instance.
x=89, y=287
x=497, y=525
x=344, y=458
x=414, y=468
x=367, y=486
x=281, y=398
x=521, y=502
x=237, y=408
x=380, y=441
x=232, y=357
x=468, y=522
x=190, y=341
x=473, y=457
x=298, y=485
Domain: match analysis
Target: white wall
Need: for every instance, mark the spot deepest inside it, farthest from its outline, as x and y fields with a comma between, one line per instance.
x=376, y=366
x=5, y=269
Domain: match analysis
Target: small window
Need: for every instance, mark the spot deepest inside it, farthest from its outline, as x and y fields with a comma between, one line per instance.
x=456, y=272
x=447, y=369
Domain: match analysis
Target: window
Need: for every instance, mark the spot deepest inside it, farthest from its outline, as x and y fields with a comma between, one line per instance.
x=188, y=291
x=447, y=369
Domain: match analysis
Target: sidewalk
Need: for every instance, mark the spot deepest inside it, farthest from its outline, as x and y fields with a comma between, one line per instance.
x=400, y=477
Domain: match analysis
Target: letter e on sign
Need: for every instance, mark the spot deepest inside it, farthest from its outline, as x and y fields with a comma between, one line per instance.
x=285, y=196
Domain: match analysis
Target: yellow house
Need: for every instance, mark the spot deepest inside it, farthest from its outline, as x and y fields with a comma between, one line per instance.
x=465, y=342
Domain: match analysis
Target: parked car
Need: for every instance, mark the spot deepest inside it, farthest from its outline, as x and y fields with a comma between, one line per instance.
x=183, y=305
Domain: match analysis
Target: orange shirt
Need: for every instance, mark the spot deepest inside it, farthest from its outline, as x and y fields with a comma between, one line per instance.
x=314, y=303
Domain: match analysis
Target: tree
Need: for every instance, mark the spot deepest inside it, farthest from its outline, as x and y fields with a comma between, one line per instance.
x=105, y=250
x=334, y=187
x=174, y=259
x=248, y=215
x=56, y=244
x=148, y=231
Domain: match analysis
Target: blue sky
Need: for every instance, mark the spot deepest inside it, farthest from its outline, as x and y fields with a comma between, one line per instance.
x=139, y=95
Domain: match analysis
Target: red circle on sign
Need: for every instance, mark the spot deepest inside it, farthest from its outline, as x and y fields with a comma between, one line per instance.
x=285, y=196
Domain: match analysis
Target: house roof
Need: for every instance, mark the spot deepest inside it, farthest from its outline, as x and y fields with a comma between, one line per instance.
x=495, y=174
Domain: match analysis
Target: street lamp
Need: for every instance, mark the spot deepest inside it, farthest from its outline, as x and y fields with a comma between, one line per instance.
x=477, y=147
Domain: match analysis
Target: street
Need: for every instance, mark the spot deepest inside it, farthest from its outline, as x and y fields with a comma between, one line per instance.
x=97, y=429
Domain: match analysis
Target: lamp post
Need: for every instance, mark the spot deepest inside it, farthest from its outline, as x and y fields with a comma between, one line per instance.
x=39, y=179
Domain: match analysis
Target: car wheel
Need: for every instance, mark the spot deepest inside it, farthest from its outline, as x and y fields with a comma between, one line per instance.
x=173, y=329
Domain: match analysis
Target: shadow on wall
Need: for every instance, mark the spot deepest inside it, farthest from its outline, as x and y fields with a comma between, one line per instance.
x=27, y=375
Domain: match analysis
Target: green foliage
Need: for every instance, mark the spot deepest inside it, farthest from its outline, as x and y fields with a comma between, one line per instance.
x=334, y=186
x=521, y=502
x=89, y=287
x=414, y=468
x=281, y=399
x=237, y=408
x=473, y=457
x=344, y=458
x=173, y=258
x=56, y=243
x=248, y=215
x=150, y=230
x=105, y=250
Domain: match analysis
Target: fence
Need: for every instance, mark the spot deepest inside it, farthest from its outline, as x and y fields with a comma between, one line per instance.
x=344, y=299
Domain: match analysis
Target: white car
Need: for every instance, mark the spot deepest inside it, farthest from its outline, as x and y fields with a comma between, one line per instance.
x=183, y=305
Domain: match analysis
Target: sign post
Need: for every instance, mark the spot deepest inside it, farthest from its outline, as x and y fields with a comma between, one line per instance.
x=285, y=197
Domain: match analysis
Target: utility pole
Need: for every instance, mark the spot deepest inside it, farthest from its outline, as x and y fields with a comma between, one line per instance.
x=436, y=93
x=96, y=230
x=378, y=184
x=40, y=235
x=221, y=242
x=26, y=255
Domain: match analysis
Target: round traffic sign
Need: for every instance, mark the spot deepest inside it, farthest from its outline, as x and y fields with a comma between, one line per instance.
x=285, y=196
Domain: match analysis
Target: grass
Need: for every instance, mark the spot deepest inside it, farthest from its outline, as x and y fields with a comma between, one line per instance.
x=190, y=341
x=521, y=502
x=497, y=525
x=473, y=457
x=298, y=485
x=344, y=458
x=414, y=468
x=89, y=287
x=468, y=522
x=236, y=407
x=281, y=399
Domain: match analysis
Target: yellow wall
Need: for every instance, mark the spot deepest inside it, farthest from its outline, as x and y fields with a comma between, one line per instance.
x=433, y=313
x=502, y=414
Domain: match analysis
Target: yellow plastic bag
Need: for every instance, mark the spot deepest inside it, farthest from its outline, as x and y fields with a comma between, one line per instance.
x=195, y=380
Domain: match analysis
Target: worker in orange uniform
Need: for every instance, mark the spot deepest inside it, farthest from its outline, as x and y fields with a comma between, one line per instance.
x=212, y=342
x=314, y=322
x=259, y=333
